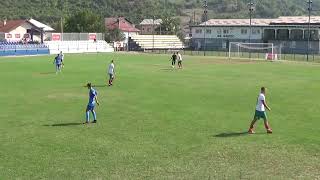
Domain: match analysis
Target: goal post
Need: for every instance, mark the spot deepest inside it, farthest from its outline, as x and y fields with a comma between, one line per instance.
x=265, y=51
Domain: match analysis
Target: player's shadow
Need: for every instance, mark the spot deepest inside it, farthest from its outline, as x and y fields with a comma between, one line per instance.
x=104, y=85
x=167, y=69
x=64, y=124
x=231, y=134
x=47, y=73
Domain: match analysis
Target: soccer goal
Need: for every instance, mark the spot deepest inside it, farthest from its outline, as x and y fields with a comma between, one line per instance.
x=267, y=51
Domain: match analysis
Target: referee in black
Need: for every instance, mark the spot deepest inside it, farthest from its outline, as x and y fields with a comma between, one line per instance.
x=173, y=59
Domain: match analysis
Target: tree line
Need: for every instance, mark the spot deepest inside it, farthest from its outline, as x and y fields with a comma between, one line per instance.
x=51, y=11
x=77, y=13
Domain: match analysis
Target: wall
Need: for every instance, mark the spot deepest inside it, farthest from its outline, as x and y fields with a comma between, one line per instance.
x=21, y=30
x=228, y=32
x=216, y=44
x=218, y=38
x=78, y=46
x=148, y=29
x=23, y=50
x=2, y=37
x=73, y=36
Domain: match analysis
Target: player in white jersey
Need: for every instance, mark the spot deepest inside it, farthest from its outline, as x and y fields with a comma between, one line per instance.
x=111, y=73
x=179, y=60
x=261, y=112
x=62, y=58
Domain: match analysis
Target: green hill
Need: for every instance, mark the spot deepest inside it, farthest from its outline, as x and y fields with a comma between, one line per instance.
x=50, y=11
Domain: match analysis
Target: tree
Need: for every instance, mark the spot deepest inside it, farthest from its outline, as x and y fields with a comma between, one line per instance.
x=169, y=25
x=84, y=21
x=114, y=35
x=50, y=11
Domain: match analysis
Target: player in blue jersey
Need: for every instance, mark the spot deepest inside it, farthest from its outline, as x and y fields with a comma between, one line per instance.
x=93, y=100
x=58, y=62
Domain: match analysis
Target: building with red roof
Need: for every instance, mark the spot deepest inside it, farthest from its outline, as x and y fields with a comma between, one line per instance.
x=23, y=29
x=121, y=23
x=125, y=26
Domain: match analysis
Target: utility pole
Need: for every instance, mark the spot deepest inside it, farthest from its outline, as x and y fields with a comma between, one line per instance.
x=205, y=6
x=61, y=25
x=309, y=27
x=153, y=33
x=62, y=19
x=251, y=9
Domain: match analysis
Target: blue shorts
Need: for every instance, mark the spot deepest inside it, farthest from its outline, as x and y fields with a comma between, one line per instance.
x=90, y=107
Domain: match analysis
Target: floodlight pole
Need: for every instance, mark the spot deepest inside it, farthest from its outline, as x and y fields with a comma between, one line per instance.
x=205, y=6
x=251, y=9
x=153, y=34
x=309, y=27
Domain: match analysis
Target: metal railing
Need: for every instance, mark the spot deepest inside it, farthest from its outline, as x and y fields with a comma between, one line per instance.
x=314, y=56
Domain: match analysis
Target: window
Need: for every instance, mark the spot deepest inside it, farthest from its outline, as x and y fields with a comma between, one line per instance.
x=198, y=31
x=219, y=31
x=244, y=31
x=28, y=36
x=256, y=31
x=226, y=31
x=9, y=36
x=208, y=31
x=224, y=44
x=17, y=36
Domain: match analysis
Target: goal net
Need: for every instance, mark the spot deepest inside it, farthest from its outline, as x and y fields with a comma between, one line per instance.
x=267, y=51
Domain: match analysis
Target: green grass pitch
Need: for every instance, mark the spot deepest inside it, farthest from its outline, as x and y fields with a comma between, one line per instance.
x=155, y=122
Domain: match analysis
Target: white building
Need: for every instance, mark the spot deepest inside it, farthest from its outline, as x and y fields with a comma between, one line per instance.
x=291, y=32
x=23, y=30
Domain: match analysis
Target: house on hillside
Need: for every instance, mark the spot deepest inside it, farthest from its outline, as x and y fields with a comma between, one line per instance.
x=124, y=25
x=149, y=26
x=24, y=30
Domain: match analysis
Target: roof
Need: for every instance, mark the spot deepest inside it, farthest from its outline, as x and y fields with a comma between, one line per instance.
x=151, y=22
x=296, y=20
x=10, y=25
x=40, y=25
x=120, y=23
x=237, y=22
x=13, y=24
x=283, y=20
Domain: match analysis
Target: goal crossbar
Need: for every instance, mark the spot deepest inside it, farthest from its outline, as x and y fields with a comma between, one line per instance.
x=252, y=46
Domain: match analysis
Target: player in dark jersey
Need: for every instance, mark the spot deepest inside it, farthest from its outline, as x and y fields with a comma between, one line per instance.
x=173, y=59
x=57, y=62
